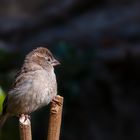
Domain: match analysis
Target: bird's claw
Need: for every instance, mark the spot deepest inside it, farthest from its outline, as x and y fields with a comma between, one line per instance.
x=55, y=105
x=25, y=117
x=56, y=101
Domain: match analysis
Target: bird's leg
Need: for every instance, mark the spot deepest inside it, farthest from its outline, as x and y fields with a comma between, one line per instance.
x=55, y=106
x=56, y=101
x=25, y=117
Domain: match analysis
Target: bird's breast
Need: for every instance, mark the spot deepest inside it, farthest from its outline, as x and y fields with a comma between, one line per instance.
x=43, y=89
x=36, y=91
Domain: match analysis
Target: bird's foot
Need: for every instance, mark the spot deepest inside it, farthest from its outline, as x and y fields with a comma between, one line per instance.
x=56, y=101
x=55, y=105
x=25, y=117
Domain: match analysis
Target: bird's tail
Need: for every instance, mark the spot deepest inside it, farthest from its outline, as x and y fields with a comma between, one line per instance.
x=3, y=118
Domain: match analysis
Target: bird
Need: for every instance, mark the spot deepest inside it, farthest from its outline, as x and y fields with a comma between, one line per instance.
x=35, y=85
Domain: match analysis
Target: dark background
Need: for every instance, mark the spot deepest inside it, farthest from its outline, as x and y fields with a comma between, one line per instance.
x=98, y=44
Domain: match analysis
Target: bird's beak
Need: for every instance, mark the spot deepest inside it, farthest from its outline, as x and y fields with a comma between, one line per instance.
x=55, y=62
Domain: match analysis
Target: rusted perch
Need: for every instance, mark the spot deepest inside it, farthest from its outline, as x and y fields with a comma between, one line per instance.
x=25, y=128
x=55, y=118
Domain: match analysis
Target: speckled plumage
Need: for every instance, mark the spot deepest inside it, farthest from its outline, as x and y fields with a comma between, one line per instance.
x=34, y=87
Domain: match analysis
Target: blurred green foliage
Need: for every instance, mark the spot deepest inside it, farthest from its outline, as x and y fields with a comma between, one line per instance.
x=2, y=97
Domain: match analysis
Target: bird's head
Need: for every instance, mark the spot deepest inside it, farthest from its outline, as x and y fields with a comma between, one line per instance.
x=42, y=56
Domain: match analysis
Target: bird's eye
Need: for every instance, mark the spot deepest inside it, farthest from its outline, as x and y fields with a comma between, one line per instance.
x=49, y=59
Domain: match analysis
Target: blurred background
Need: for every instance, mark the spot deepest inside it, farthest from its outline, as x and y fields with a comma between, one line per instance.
x=98, y=45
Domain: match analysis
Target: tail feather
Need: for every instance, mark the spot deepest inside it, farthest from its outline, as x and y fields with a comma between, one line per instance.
x=3, y=119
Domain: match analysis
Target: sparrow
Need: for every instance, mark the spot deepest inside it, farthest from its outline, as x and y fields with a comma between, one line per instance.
x=35, y=85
